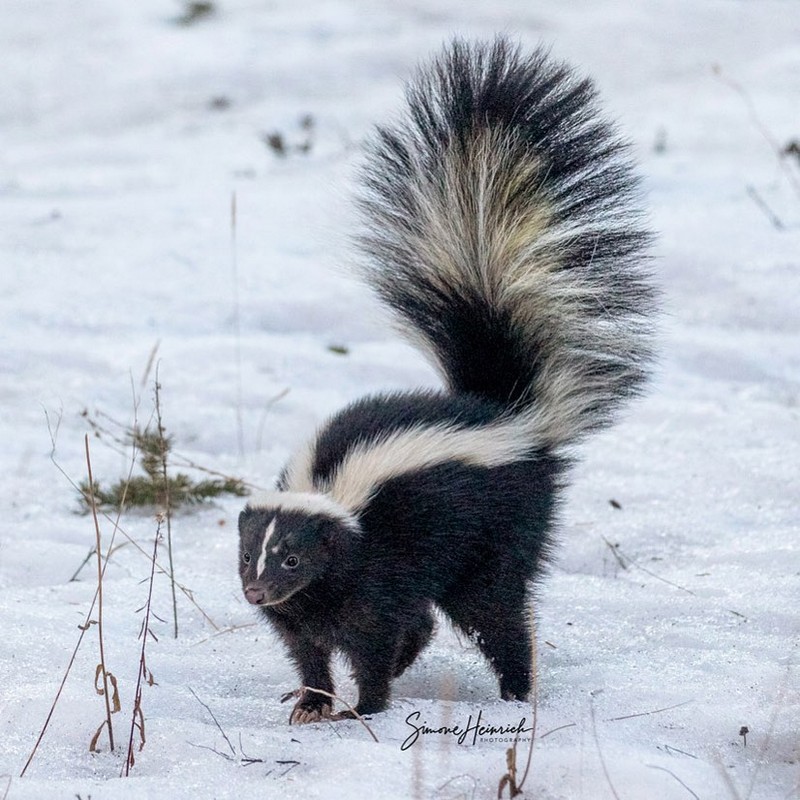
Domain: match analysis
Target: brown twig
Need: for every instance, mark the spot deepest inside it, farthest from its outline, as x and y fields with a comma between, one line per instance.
x=216, y=721
x=230, y=629
x=119, y=443
x=188, y=593
x=83, y=628
x=631, y=562
x=649, y=713
x=559, y=728
x=102, y=666
x=53, y=432
x=241, y=757
x=88, y=558
x=82, y=565
x=119, y=529
x=168, y=510
x=150, y=361
x=179, y=459
x=615, y=553
x=670, y=749
x=616, y=549
x=510, y=777
x=137, y=716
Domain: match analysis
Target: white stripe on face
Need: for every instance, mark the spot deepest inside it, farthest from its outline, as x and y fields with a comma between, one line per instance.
x=262, y=559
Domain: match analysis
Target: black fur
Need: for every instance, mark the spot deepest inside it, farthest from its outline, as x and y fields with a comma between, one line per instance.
x=501, y=229
x=580, y=172
x=427, y=538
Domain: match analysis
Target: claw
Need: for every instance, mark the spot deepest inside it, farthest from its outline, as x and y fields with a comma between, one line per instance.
x=304, y=716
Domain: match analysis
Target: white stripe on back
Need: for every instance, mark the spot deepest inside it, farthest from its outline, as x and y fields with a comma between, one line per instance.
x=372, y=463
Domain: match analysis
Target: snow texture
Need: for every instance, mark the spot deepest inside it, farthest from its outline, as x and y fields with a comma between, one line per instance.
x=665, y=625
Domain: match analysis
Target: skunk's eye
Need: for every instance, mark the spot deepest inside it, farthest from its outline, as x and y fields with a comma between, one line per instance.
x=291, y=562
x=246, y=558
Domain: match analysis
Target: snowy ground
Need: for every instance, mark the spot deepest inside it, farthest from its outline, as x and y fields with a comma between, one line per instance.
x=124, y=136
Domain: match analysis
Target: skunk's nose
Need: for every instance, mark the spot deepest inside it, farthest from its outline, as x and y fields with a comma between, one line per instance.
x=255, y=595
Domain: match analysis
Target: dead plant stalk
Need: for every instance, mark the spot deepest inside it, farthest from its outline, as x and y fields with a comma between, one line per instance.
x=87, y=622
x=137, y=715
x=167, y=503
x=102, y=665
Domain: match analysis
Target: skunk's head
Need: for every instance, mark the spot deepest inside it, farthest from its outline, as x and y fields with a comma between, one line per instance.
x=287, y=541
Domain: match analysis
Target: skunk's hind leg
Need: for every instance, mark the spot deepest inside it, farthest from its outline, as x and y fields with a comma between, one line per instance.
x=413, y=642
x=495, y=616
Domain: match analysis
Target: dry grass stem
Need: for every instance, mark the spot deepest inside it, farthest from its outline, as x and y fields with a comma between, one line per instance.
x=164, y=448
x=626, y=561
x=118, y=437
x=102, y=671
x=648, y=713
x=188, y=593
x=216, y=721
x=230, y=629
x=510, y=778
x=240, y=756
x=88, y=621
x=559, y=728
x=149, y=366
x=144, y=674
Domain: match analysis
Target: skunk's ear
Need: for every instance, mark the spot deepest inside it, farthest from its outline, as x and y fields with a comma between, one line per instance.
x=246, y=512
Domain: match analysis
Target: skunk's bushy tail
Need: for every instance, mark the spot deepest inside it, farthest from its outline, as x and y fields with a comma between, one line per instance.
x=502, y=229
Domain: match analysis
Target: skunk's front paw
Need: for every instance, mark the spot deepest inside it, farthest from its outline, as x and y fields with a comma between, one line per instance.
x=311, y=707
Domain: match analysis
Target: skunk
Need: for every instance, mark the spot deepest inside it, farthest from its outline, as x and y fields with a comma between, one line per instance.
x=501, y=227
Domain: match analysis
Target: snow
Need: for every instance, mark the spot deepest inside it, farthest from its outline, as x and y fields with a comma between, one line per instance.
x=117, y=171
